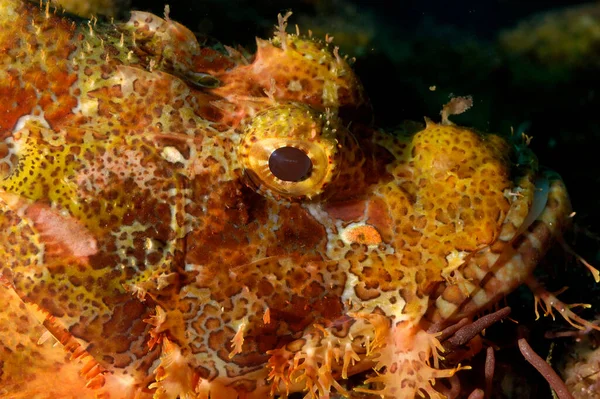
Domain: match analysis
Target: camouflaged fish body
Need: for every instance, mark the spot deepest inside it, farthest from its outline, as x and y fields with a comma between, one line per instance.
x=187, y=223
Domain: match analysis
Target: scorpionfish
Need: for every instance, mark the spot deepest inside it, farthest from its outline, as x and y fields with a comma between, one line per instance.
x=182, y=221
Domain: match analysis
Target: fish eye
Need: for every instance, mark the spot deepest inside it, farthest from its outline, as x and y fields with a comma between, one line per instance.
x=290, y=164
x=290, y=150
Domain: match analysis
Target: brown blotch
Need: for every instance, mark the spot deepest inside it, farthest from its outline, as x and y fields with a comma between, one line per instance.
x=366, y=294
x=299, y=232
x=347, y=211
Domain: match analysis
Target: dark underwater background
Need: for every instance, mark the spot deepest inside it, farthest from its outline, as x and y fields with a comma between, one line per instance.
x=531, y=66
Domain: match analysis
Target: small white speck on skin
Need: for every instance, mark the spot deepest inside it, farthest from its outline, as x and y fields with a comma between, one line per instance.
x=171, y=154
x=295, y=85
x=148, y=244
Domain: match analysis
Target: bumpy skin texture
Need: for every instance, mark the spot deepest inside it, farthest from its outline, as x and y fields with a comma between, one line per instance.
x=146, y=250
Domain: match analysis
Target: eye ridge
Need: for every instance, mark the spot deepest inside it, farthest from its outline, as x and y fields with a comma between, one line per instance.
x=291, y=151
x=290, y=164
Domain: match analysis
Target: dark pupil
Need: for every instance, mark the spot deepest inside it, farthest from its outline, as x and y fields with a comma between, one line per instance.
x=290, y=164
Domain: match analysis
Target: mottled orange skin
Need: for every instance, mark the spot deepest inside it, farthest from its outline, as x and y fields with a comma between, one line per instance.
x=142, y=229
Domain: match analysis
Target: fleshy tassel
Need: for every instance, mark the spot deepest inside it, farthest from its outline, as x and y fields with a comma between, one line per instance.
x=313, y=367
x=350, y=358
x=312, y=363
x=174, y=376
x=405, y=350
x=238, y=340
x=548, y=301
x=280, y=362
x=158, y=320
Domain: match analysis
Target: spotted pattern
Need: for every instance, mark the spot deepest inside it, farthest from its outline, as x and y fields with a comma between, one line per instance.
x=146, y=250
